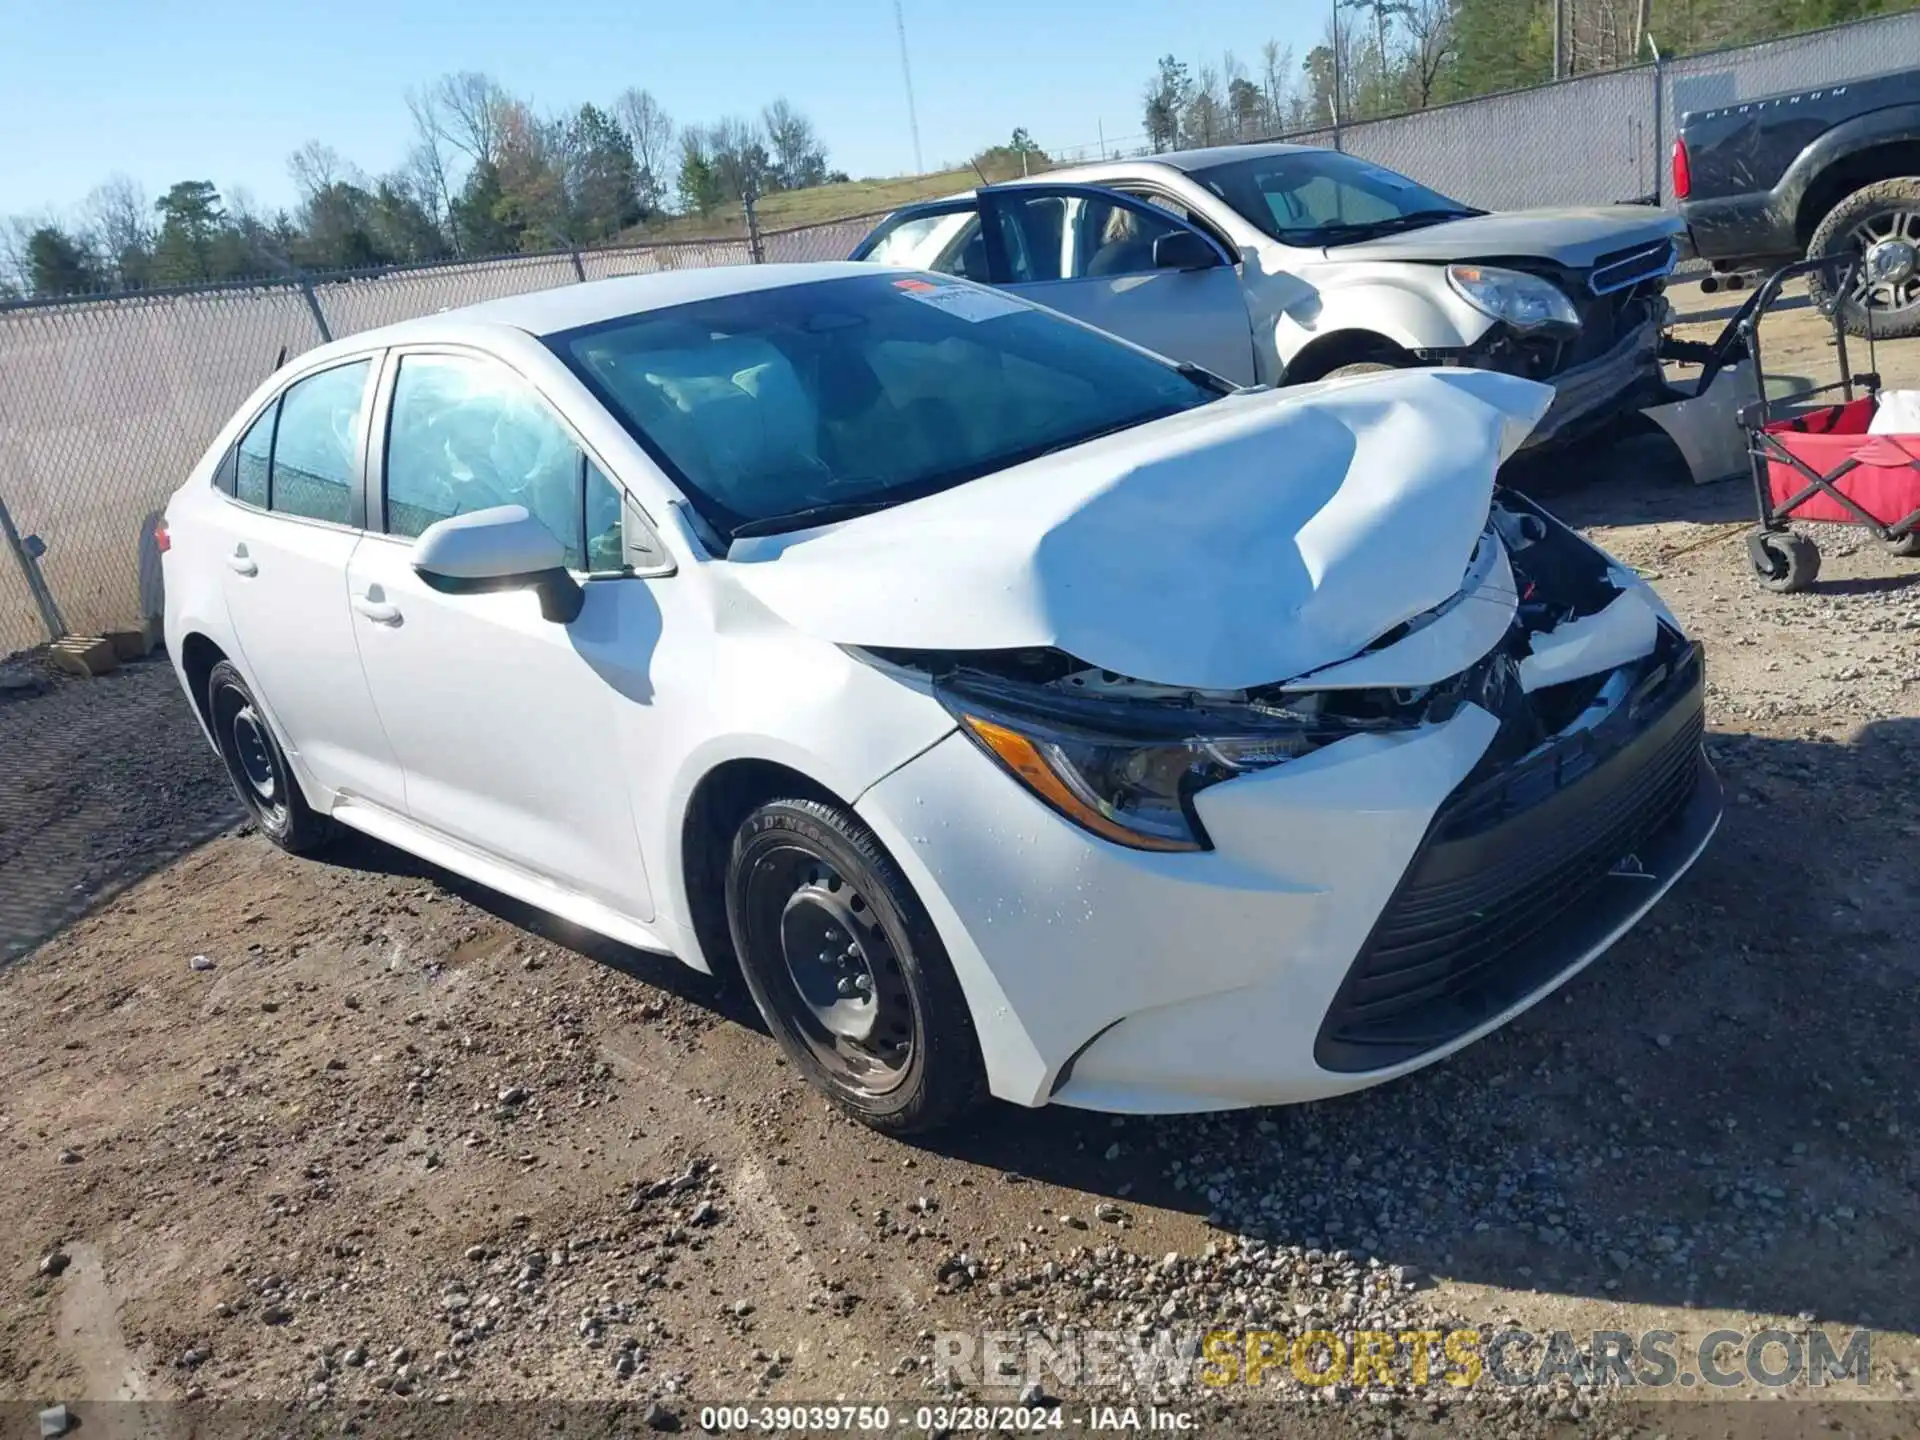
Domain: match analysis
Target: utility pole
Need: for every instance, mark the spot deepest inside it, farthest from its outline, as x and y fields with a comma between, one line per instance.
x=906, y=76
x=1559, y=39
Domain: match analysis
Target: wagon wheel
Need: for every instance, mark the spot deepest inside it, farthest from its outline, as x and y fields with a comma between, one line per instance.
x=1907, y=547
x=1783, y=560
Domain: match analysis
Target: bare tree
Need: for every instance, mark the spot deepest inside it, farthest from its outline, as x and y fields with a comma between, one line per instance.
x=315, y=168
x=427, y=167
x=799, y=160
x=116, y=217
x=466, y=110
x=1430, y=37
x=651, y=131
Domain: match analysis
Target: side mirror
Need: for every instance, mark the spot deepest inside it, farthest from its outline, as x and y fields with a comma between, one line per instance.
x=1184, y=250
x=502, y=548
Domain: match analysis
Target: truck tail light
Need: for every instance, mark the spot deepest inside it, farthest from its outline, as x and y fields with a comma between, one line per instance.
x=162, y=541
x=1682, y=170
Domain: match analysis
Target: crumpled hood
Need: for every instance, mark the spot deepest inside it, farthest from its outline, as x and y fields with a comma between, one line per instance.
x=1242, y=543
x=1574, y=237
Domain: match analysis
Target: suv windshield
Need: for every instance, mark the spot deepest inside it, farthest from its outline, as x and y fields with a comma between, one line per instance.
x=782, y=408
x=1322, y=197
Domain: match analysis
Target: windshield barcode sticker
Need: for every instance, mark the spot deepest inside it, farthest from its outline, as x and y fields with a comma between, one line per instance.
x=963, y=302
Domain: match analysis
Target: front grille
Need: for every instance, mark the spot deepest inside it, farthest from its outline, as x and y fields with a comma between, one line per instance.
x=1472, y=927
x=1621, y=268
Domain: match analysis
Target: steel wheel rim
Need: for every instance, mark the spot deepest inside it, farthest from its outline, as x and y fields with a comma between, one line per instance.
x=250, y=755
x=1888, y=276
x=839, y=989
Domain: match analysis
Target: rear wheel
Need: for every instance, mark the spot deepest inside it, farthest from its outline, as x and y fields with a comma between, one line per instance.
x=1907, y=547
x=1359, y=367
x=1881, y=224
x=847, y=969
x=258, y=766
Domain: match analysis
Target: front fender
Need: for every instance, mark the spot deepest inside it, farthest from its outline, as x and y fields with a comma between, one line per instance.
x=1408, y=304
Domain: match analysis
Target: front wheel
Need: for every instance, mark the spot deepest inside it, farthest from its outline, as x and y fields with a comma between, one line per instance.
x=258, y=766
x=848, y=971
x=1881, y=224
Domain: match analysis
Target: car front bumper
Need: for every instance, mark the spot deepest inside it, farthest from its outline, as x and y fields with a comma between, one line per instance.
x=1624, y=379
x=1353, y=922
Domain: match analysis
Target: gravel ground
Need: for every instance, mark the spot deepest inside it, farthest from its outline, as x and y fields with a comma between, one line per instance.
x=353, y=1133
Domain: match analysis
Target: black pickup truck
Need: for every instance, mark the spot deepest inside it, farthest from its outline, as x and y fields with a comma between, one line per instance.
x=1809, y=173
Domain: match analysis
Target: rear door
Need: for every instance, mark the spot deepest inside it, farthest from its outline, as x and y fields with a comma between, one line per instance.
x=293, y=517
x=1088, y=252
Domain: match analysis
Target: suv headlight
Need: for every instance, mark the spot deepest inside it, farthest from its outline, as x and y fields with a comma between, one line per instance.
x=1526, y=302
x=1130, y=776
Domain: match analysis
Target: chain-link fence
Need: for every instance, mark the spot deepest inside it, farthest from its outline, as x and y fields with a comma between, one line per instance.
x=106, y=403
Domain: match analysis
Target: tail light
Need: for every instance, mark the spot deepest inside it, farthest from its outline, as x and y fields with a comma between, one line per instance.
x=162, y=541
x=1682, y=170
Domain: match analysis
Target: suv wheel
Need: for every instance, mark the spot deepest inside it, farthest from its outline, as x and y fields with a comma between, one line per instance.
x=1881, y=224
x=847, y=969
x=258, y=766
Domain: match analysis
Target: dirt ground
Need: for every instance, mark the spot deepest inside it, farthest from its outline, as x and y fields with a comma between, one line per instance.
x=358, y=1141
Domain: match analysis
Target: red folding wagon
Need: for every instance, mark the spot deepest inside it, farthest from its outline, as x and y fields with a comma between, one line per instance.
x=1821, y=463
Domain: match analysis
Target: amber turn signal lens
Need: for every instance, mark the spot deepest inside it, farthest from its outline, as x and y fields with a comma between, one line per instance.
x=1023, y=758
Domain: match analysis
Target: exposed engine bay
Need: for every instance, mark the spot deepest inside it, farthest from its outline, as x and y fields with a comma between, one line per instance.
x=1583, y=639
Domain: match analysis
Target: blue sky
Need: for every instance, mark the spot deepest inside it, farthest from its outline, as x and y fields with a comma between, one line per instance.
x=224, y=91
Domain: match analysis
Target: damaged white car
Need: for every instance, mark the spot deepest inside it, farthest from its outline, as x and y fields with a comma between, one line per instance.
x=1016, y=712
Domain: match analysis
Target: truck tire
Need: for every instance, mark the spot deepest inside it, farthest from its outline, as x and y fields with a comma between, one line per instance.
x=1882, y=223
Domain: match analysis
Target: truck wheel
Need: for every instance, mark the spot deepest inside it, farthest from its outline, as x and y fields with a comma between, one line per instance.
x=1880, y=223
x=1362, y=367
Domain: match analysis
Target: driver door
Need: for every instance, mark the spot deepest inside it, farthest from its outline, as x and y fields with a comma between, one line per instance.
x=1088, y=252
x=509, y=728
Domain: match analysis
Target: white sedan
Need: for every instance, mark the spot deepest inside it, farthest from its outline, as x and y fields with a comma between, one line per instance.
x=1016, y=712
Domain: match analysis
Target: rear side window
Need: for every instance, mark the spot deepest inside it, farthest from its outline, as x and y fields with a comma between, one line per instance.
x=302, y=455
x=256, y=458
x=467, y=434
x=316, y=447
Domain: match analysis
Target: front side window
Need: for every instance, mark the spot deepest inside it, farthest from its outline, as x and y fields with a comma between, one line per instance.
x=1323, y=197
x=775, y=407
x=468, y=434
x=316, y=446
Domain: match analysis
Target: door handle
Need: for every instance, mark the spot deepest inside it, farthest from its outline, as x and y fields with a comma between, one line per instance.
x=242, y=563
x=381, y=612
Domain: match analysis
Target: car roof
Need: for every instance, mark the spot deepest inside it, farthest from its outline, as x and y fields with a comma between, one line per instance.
x=1094, y=171
x=1191, y=160
x=567, y=307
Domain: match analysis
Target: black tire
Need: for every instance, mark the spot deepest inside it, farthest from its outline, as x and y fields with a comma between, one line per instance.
x=258, y=766
x=1882, y=218
x=1907, y=547
x=1360, y=367
x=1785, y=561
x=881, y=1026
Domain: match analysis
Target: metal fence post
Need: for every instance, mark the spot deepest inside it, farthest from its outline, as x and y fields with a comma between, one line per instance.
x=36, y=582
x=1659, y=125
x=754, y=250
x=313, y=304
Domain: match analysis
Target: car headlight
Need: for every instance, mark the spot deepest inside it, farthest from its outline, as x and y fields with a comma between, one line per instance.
x=1526, y=302
x=1131, y=783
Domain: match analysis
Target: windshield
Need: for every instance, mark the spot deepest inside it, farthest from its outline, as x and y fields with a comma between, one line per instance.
x=847, y=395
x=1322, y=197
